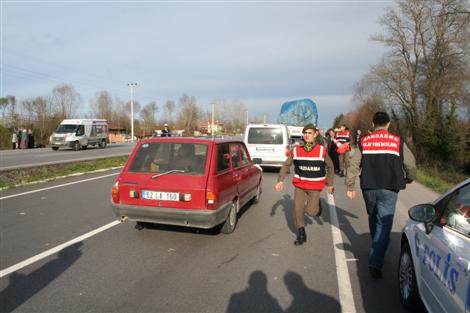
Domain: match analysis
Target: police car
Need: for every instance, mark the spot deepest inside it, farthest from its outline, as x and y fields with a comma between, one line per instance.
x=434, y=267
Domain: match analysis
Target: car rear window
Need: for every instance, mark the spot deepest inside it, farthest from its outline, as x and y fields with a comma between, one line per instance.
x=161, y=157
x=270, y=136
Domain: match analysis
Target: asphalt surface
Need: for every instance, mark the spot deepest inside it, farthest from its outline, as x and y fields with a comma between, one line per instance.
x=173, y=269
x=22, y=158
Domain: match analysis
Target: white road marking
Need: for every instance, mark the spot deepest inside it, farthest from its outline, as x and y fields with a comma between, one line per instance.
x=346, y=297
x=56, y=249
x=57, y=186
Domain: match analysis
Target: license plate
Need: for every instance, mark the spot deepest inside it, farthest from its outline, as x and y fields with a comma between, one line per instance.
x=159, y=195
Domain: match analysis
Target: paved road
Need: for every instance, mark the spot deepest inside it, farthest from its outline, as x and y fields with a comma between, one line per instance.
x=173, y=269
x=11, y=159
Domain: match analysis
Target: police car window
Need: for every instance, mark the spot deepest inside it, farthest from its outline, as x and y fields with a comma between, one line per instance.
x=457, y=211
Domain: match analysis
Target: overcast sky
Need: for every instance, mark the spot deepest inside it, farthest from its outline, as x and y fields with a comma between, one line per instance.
x=262, y=53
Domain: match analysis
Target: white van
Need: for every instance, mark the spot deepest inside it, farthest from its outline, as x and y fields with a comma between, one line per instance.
x=79, y=134
x=268, y=142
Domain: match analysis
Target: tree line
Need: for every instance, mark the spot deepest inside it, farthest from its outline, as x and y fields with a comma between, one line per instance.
x=43, y=113
x=423, y=80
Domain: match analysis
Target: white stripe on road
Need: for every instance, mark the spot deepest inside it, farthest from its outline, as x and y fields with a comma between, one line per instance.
x=346, y=297
x=58, y=186
x=47, y=253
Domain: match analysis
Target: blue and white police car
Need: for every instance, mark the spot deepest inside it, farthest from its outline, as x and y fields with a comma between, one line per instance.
x=434, y=267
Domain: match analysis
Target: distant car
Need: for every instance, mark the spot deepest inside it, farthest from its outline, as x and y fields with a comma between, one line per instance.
x=194, y=182
x=434, y=267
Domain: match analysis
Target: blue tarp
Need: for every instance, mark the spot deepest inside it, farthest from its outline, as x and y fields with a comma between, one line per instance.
x=298, y=112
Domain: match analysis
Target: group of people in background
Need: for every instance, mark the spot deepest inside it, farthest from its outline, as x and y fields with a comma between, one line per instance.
x=22, y=139
x=338, y=143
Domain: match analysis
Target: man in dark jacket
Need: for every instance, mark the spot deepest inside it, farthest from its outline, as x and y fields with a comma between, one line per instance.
x=166, y=132
x=385, y=165
x=313, y=170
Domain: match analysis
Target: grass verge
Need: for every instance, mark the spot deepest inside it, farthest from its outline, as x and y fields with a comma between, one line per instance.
x=438, y=178
x=21, y=177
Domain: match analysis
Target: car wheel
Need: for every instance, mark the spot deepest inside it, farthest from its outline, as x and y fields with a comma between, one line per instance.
x=103, y=144
x=409, y=293
x=76, y=146
x=55, y=148
x=258, y=195
x=231, y=221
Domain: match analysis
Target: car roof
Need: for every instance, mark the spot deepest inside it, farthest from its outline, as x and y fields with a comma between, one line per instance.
x=200, y=140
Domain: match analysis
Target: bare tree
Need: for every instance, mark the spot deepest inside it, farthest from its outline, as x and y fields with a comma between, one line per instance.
x=170, y=107
x=148, y=113
x=65, y=100
x=189, y=113
x=102, y=105
x=424, y=78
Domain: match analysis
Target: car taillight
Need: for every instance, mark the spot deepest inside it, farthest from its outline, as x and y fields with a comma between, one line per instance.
x=115, y=192
x=211, y=197
x=287, y=151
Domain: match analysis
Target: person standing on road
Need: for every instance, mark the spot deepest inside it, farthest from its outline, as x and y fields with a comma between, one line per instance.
x=342, y=140
x=385, y=165
x=14, y=139
x=313, y=170
x=24, y=139
x=166, y=132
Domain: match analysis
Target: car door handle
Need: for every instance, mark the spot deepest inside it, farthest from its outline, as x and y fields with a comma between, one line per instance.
x=464, y=264
x=237, y=177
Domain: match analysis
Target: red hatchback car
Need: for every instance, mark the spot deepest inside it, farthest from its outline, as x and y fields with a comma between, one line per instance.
x=194, y=182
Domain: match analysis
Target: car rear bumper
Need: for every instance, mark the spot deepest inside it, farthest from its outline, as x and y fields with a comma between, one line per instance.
x=170, y=216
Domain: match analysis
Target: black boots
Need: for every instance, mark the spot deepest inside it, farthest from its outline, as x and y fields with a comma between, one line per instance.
x=301, y=237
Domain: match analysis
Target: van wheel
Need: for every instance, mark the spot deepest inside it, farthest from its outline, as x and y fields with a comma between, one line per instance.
x=76, y=146
x=409, y=294
x=258, y=195
x=55, y=148
x=231, y=221
x=84, y=147
x=103, y=144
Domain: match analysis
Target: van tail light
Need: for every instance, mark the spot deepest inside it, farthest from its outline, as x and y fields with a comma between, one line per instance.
x=211, y=197
x=287, y=151
x=115, y=192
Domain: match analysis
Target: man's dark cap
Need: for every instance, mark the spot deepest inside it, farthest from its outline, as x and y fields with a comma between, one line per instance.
x=309, y=126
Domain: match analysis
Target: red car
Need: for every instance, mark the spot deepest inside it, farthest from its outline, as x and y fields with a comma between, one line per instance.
x=194, y=182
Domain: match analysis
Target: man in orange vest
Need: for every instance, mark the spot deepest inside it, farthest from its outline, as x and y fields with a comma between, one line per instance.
x=342, y=140
x=385, y=165
x=313, y=170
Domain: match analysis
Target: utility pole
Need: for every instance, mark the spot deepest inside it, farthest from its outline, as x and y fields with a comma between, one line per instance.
x=131, y=90
x=212, y=125
x=247, y=120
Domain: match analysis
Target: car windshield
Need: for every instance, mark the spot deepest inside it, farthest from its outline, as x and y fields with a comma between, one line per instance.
x=270, y=136
x=162, y=157
x=65, y=128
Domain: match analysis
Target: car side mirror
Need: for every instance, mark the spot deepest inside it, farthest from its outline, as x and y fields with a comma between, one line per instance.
x=424, y=213
x=257, y=161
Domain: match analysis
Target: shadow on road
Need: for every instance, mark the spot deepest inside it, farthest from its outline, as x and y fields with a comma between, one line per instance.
x=256, y=298
x=377, y=295
x=22, y=287
x=287, y=205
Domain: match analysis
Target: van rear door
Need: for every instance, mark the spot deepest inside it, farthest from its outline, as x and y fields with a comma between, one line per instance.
x=269, y=143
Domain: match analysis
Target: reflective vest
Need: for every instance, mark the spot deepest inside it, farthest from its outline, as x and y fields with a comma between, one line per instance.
x=343, y=137
x=382, y=161
x=342, y=140
x=310, y=167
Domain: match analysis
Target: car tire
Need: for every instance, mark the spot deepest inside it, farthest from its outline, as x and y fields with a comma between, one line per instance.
x=55, y=148
x=409, y=294
x=102, y=144
x=257, y=196
x=76, y=146
x=231, y=222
